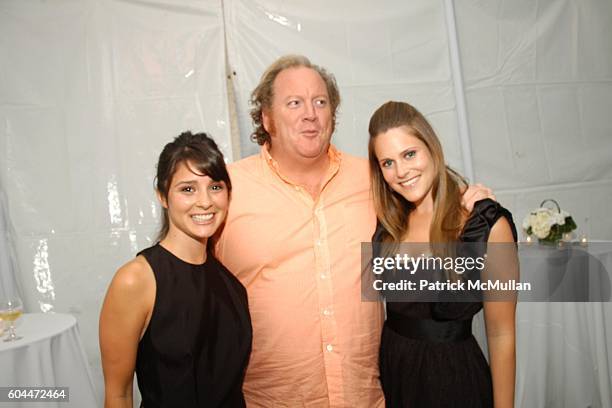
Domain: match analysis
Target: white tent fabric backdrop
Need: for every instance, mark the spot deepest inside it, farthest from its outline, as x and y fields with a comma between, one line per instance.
x=91, y=90
x=8, y=280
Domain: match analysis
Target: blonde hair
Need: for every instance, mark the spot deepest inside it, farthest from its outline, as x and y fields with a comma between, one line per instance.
x=261, y=97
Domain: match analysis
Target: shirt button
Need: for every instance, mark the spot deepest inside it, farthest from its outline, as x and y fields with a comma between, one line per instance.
x=327, y=312
x=329, y=347
x=318, y=242
x=323, y=276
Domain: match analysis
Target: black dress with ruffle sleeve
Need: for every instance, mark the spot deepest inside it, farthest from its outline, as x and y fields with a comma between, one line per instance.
x=428, y=355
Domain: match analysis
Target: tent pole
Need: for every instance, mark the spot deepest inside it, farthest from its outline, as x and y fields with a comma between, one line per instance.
x=462, y=119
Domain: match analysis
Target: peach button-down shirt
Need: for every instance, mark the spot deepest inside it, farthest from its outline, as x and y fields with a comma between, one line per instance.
x=315, y=343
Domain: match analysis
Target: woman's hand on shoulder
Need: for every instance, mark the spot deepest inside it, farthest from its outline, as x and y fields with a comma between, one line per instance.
x=474, y=193
x=123, y=319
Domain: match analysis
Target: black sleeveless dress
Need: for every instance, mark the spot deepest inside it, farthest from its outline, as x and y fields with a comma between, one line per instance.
x=195, y=350
x=428, y=355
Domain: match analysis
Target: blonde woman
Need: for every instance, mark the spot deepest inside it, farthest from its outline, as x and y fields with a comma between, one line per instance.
x=428, y=356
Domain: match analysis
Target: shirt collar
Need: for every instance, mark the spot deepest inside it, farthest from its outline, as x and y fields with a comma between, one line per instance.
x=335, y=158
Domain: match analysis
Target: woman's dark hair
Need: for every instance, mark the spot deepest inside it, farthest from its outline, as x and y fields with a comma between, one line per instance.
x=203, y=156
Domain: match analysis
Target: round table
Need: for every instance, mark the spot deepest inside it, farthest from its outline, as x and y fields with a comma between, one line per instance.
x=50, y=354
x=563, y=343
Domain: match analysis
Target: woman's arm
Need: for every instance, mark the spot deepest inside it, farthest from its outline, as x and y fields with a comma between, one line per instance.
x=123, y=320
x=500, y=326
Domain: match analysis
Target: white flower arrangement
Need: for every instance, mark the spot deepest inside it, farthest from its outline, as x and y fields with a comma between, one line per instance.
x=547, y=224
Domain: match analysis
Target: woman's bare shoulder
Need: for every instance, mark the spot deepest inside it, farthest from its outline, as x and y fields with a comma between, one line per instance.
x=136, y=276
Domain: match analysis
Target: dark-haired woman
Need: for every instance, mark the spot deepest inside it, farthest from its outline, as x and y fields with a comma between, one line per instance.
x=429, y=357
x=174, y=314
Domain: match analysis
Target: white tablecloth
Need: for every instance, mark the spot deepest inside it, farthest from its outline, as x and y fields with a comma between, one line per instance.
x=49, y=355
x=564, y=349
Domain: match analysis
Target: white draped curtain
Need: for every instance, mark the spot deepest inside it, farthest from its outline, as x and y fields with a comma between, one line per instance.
x=91, y=90
x=9, y=285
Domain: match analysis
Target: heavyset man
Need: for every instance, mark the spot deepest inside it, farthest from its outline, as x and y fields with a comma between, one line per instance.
x=299, y=211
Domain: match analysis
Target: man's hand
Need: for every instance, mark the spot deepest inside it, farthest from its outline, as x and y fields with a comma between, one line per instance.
x=475, y=192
